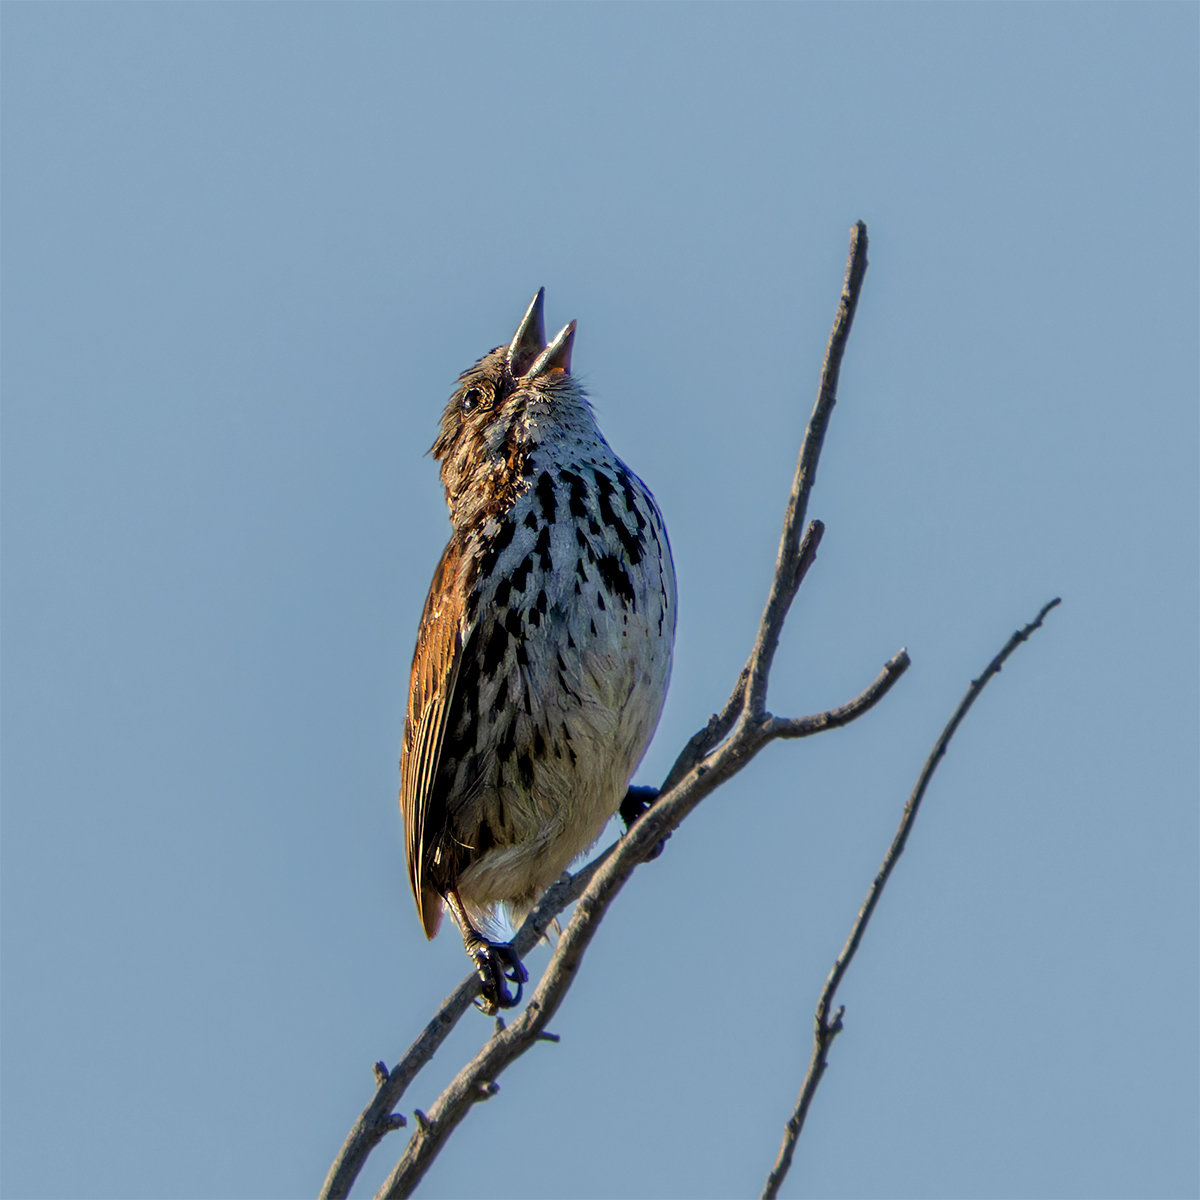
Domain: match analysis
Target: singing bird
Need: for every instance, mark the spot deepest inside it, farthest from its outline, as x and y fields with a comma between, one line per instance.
x=543, y=653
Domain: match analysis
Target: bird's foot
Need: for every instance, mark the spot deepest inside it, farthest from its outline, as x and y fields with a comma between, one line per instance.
x=496, y=962
x=637, y=801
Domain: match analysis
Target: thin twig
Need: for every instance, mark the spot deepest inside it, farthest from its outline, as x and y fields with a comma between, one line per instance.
x=787, y=575
x=825, y=1028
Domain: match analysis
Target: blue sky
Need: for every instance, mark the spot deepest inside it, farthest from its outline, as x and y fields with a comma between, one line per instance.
x=246, y=251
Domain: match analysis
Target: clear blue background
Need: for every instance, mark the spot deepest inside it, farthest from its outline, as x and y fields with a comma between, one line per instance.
x=246, y=251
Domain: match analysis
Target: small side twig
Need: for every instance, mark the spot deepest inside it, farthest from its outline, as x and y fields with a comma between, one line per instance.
x=825, y=1027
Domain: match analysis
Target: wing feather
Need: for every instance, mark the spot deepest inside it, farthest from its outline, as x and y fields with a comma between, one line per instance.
x=434, y=674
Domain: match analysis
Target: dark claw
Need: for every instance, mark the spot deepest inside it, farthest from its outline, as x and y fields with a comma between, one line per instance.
x=637, y=801
x=497, y=962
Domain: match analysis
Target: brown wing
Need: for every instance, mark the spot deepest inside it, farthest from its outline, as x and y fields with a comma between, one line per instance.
x=434, y=672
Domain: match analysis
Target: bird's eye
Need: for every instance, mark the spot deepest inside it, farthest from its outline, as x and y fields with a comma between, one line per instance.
x=472, y=400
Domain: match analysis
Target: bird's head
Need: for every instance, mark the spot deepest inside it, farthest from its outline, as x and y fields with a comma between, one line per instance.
x=511, y=401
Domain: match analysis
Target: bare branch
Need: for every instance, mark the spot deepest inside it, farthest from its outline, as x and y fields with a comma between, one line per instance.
x=717, y=752
x=787, y=574
x=825, y=1029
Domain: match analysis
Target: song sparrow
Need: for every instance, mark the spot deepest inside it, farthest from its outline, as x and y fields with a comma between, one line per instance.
x=543, y=653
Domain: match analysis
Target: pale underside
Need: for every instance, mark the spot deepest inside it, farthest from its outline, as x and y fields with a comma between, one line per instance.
x=535, y=697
